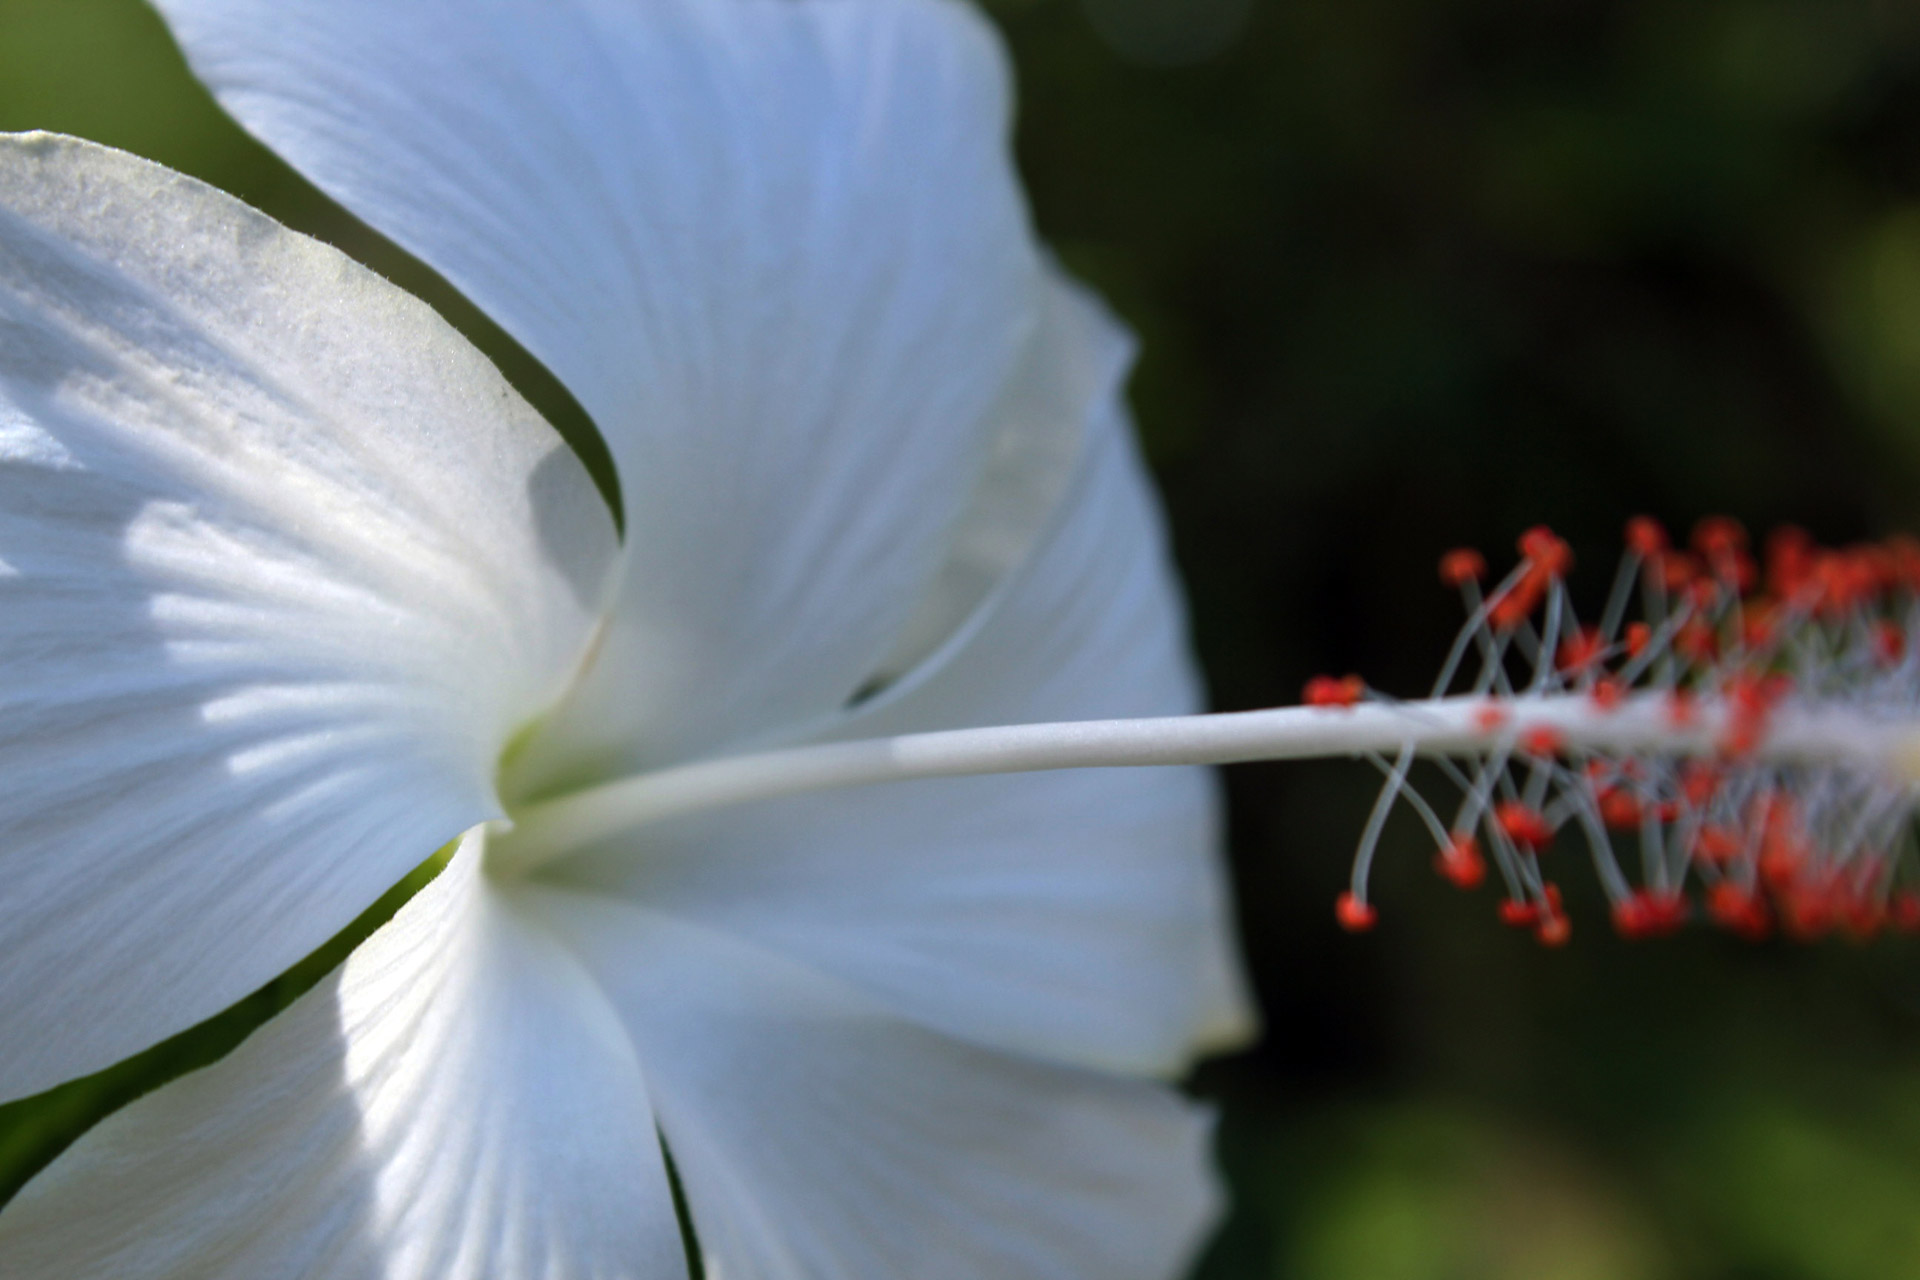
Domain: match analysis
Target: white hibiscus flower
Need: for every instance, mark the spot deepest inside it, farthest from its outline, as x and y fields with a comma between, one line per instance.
x=295, y=590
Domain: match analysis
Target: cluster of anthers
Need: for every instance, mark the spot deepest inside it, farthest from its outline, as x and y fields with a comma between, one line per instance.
x=1744, y=734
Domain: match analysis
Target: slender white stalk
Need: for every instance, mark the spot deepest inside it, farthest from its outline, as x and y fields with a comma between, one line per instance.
x=1454, y=726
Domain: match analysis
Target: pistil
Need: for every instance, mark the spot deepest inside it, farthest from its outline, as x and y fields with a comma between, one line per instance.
x=1457, y=726
x=1763, y=746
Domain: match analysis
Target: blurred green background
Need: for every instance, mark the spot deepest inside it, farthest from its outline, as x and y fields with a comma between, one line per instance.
x=1410, y=274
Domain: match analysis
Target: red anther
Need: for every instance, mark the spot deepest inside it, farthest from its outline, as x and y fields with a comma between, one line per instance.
x=1739, y=572
x=1780, y=863
x=1673, y=570
x=1511, y=608
x=1630, y=918
x=1354, y=915
x=1526, y=826
x=1639, y=635
x=1703, y=593
x=1546, y=551
x=1719, y=536
x=1326, y=691
x=1722, y=543
x=1759, y=622
x=1750, y=702
x=1716, y=845
x=1553, y=930
x=1750, y=692
x=1646, y=537
x=1460, y=862
x=1669, y=911
x=1903, y=911
x=1667, y=811
x=1681, y=713
x=1696, y=641
x=1846, y=580
x=1829, y=583
x=1777, y=814
x=1789, y=561
x=1461, y=566
x=1889, y=643
x=1743, y=736
x=1543, y=740
x=1739, y=911
x=1607, y=694
x=1519, y=913
x=1618, y=809
x=1515, y=606
x=1807, y=911
x=1698, y=783
x=1583, y=649
x=1646, y=914
x=1490, y=718
x=1547, y=559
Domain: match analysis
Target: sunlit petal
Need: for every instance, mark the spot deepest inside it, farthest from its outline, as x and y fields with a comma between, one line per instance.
x=283, y=563
x=775, y=248
x=457, y=1102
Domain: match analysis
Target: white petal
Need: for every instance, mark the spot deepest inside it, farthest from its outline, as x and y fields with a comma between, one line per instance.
x=283, y=563
x=1080, y=916
x=775, y=248
x=818, y=1136
x=457, y=1102
x=1068, y=371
